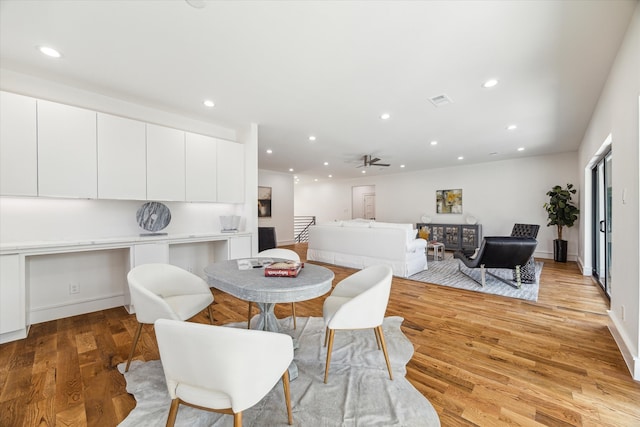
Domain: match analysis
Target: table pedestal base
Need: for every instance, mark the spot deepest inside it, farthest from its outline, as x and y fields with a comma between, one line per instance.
x=267, y=321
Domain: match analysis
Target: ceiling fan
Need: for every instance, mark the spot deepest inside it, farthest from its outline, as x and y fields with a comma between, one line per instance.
x=368, y=161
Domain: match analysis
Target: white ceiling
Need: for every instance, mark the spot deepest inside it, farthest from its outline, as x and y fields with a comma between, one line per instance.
x=330, y=68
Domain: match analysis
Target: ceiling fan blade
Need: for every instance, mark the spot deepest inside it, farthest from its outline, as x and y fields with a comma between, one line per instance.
x=380, y=164
x=376, y=159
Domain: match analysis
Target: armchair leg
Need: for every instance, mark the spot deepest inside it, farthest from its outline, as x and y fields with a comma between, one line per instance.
x=329, y=348
x=173, y=412
x=249, y=316
x=293, y=312
x=287, y=395
x=133, y=346
x=375, y=330
x=483, y=275
x=210, y=314
x=237, y=419
x=384, y=350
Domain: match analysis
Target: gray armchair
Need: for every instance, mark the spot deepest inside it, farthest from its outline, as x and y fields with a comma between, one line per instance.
x=500, y=252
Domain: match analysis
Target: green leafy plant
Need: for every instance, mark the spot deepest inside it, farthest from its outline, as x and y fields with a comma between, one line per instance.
x=562, y=213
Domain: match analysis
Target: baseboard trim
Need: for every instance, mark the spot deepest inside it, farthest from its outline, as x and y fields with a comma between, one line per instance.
x=632, y=361
x=45, y=314
x=14, y=335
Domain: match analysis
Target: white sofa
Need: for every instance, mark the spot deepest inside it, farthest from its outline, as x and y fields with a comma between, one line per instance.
x=360, y=243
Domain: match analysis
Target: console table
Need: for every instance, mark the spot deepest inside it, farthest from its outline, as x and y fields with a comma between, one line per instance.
x=466, y=237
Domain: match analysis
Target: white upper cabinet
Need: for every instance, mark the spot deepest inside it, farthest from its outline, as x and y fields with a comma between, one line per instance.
x=67, y=165
x=18, y=146
x=201, y=166
x=230, y=172
x=122, y=172
x=165, y=164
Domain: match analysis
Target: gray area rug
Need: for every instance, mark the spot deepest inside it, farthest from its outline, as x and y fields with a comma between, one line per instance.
x=359, y=391
x=446, y=273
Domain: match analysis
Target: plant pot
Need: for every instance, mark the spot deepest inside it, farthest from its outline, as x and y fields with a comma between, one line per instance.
x=560, y=250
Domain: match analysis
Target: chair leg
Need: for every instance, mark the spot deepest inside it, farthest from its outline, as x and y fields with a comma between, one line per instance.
x=483, y=274
x=329, y=348
x=287, y=395
x=377, y=338
x=210, y=314
x=249, y=316
x=326, y=335
x=384, y=350
x=293, y=311
x=173, y=412
x=237, y=419
x=133, y=346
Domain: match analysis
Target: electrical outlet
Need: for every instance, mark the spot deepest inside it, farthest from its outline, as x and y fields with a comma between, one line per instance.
x=74, y=288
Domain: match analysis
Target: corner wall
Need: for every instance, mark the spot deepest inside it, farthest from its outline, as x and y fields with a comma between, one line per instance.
x=281, y=205
x=617, y=114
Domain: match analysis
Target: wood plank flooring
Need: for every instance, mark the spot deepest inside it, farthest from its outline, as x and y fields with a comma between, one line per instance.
x=480, y=359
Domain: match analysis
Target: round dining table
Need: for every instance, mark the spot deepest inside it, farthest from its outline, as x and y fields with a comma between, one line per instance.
x=252, y=285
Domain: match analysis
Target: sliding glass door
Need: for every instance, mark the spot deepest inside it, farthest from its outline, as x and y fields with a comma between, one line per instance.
x=602, y=226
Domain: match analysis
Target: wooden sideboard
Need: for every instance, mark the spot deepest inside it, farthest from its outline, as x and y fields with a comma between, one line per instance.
x=466, y=237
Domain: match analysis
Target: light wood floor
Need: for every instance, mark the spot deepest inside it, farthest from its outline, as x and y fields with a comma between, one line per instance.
x=480, y=359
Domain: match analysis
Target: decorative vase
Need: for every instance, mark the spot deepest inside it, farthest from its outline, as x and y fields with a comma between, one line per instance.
x=560, y=250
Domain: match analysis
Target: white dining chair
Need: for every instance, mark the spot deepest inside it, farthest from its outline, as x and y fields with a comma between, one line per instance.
x=282, y=253
x=222, y=369
x=164, y=291
x=358, y=302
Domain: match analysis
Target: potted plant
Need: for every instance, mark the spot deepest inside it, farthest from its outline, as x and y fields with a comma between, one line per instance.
x=561, y=213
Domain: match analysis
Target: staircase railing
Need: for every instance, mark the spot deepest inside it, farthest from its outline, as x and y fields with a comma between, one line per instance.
x=301, y=226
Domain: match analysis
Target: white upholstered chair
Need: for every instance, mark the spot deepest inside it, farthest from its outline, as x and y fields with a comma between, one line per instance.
x=359, y=302
x=164, y=291
x=287, y=254
x=222, y=369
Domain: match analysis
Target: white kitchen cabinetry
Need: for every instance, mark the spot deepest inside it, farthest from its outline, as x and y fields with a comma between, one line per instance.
x=201, y=166
x=230, y=172
x=67, y=165
x=12, y=298
x=165, y=164
x=18, y=145
x=122, y=172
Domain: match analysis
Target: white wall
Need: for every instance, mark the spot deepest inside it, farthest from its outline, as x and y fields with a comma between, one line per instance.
x=498, y=194
x=617, y=113
x=281, y=205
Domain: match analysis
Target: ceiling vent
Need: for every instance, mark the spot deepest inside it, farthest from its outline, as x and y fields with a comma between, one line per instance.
x=440, y=100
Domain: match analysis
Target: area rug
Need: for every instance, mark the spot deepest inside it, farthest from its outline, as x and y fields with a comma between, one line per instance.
x=446, y=273
x=359, y=391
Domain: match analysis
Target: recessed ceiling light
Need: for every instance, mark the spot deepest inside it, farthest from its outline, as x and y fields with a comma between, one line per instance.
x=290, y=169
x=434, y=142
x=326, y=163
x=295, y=177
x=49, y=51
x=316, y=180
x=209, y=103
x=401, y=166
x=330, y=176
x=490, y=83
x=385, y=116
x=521, y=149
x=312, y=138
x=512, y=127
x=269, y=151
x=364, y=171
x=460, y=158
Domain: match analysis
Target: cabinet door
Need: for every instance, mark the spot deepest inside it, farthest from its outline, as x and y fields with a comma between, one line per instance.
x=67, y=165
x=121, y=158
x=452, y=237
x=201, y=166
x=165, y=164
x=230, y=172
x=12, y=299
x=470, y=237
x=18, y=146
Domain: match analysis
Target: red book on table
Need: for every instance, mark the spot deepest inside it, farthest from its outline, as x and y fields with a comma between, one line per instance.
x=283, y=269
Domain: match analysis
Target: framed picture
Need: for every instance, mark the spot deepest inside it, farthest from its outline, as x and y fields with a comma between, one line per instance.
x=449, y=201
x=264, y=202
